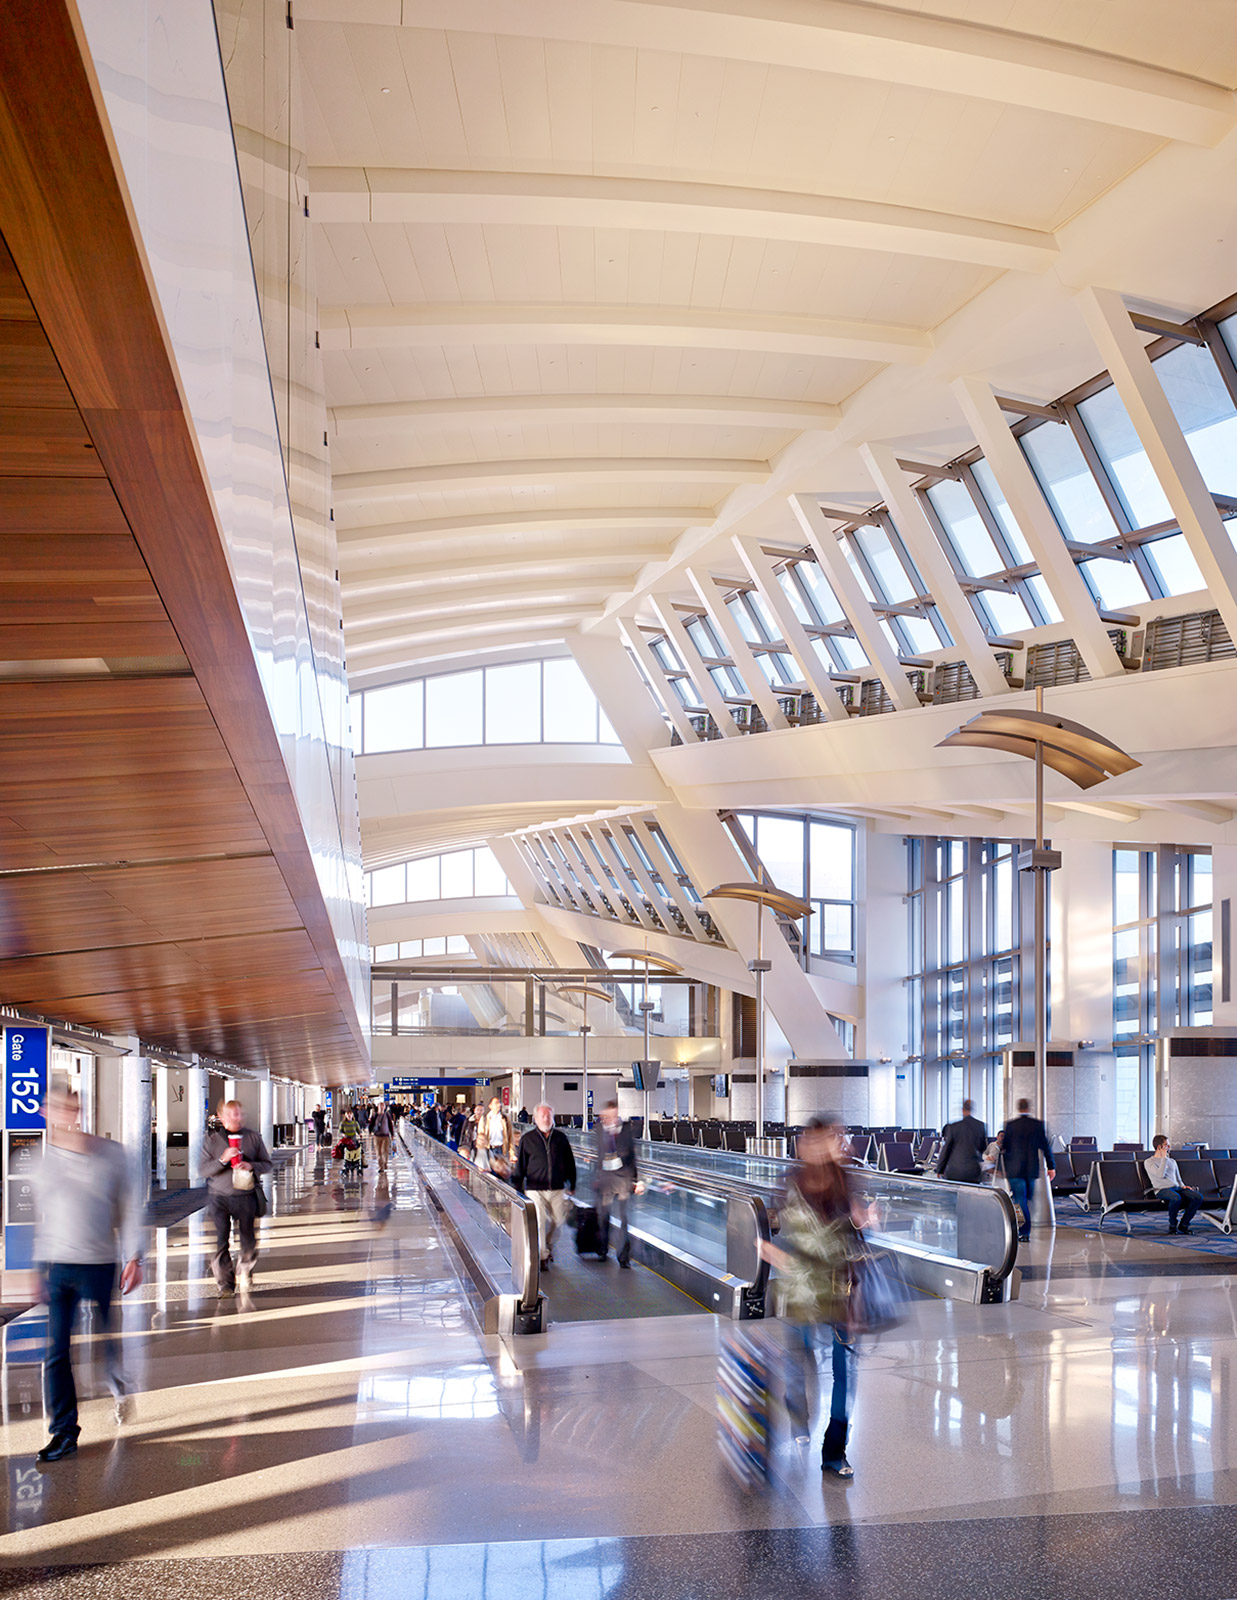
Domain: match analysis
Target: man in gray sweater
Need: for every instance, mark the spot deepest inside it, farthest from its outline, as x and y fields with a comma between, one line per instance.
x=1165, y=1178
x=88, y=1221
x=233, y=1161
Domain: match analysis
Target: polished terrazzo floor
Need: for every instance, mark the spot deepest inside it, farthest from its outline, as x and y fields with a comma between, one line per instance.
x=348, y=1432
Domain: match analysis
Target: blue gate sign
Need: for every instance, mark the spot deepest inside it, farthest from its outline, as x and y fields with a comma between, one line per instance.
x=25, y=1075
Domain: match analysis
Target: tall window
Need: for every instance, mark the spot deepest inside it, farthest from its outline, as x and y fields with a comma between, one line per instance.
x=523, y=702
x=813, y=858
x=968, y=952
x=1161, y=965
x=457, y=875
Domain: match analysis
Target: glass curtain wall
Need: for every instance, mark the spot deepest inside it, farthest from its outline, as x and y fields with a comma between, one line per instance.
x=814, y=858
x=969, y=941
x=457, y=875
x=1161, y=966
x=523, y=702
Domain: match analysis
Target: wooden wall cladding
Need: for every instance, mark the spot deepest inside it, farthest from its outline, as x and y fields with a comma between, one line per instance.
x=153, y=876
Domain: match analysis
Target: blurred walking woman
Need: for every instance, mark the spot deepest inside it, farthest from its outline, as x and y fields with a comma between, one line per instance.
x=816, y=1240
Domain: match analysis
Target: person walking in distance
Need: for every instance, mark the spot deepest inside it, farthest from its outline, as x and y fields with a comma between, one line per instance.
x=319, y=1116
x=1023, y=1141
x=88, y=1222
x=233, y=1162
x=545, y=1170
x=962, y=1149
x=384, y=1132
x=495, y=1140
x=616, y=1179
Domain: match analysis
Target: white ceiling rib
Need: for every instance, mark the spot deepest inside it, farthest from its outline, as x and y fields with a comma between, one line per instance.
x=601, y=274
x=719, y=411
x=403, y=327
x=878, y=43
x=570, y=200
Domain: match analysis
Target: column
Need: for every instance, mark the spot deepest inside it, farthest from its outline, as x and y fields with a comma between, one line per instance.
x=135, y=1114
x=197, y=1087
x=1081, y=1099
x=266, y=1111
x=628, y=704
x=1223, y=914
x=174, y=1152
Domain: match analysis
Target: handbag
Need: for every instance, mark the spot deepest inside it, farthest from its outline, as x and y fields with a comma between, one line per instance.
x=877, y=1293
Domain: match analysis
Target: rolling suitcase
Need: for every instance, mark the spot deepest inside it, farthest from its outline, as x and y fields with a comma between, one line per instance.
x=743, y=1403
x=588, y=1232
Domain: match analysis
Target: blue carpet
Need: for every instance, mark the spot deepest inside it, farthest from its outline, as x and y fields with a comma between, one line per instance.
x=1152, y=1227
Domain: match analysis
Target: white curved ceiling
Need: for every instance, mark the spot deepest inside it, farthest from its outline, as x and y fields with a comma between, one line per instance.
x=588, y=267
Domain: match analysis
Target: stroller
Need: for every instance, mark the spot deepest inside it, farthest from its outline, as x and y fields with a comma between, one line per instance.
x=353, y=1158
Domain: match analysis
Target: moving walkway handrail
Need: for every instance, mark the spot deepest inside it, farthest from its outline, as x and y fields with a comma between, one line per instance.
x=509, y=1209
x=748, y=1223
x=984, y=1219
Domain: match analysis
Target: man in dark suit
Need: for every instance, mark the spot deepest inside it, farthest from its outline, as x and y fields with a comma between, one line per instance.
x=616, y=1178
x=963, y=1148
x=1024, y=1141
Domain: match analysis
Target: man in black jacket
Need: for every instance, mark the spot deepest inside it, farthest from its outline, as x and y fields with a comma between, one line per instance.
x=616, y=1178
x=1023, y=1142
x=963, y=1147
x=545, y=1169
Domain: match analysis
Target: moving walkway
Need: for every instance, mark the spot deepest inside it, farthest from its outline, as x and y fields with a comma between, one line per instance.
x=698, y=1228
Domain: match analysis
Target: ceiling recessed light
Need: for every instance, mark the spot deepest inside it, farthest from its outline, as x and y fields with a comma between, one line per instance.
x=386, y=91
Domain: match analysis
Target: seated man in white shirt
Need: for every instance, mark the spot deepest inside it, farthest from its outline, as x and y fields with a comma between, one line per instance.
x=1165, y=1178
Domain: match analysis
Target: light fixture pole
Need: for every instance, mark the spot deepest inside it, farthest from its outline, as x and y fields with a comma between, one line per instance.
x=664, y=965
x=1085, y=758
x=586, y=994
x=761, y=895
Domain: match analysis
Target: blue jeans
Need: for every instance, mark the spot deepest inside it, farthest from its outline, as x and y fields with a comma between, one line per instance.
x=804, y=1340
x=68, y=1284
x=1174, y=1199
x=1023, y=1192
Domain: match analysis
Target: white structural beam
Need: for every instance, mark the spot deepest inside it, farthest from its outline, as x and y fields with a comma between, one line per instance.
x=1030, y=510
x=613, y=677
x=1113, y=810
x=604, y=841
x=654, y=672
x=714, y=700
x=847, y=38
x=581, y=471
x=517, y=525
x=531, y=625
x=496, y=595
x=1160, y=434
x=854, y=602
x=731, y=635
x=1206, y=810
x=663, y=327
x=617, y=561
x=925, y=550
x=511, y=411
x=399, y=195
x=815, y=672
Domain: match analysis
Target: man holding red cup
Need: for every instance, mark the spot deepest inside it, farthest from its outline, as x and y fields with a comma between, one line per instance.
x=233, y=1161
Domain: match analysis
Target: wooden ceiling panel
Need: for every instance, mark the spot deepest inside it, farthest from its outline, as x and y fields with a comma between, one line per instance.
x=142, y=904
x=154, y=873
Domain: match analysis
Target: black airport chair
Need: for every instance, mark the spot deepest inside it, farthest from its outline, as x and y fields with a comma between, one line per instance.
x=1122, y=1190
x=897, y=1158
